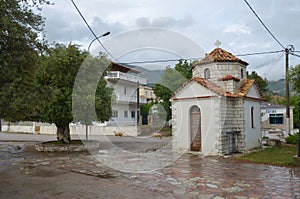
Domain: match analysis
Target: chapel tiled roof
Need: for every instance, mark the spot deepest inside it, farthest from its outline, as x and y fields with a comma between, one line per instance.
x=219, y=55
x=245, y=87
x=242, y=91
x=213, y=87
x=230, y=77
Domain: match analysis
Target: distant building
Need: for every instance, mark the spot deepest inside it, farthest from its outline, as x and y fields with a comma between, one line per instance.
x=125, y=81
x=273, y=120
x=218, y=110
x=147, y=93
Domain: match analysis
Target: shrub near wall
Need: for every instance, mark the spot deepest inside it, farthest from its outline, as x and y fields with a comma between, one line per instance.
x=292, y=139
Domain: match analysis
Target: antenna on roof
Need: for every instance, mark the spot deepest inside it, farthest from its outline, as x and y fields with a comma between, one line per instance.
x=218, y=43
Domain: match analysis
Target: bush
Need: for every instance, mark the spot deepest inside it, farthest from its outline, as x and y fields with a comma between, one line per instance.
x=292, y=139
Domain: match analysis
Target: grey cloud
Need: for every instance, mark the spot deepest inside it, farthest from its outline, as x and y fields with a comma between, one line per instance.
x=143, y=22
x=165, y=22
x=100, y=26
x=65, y=29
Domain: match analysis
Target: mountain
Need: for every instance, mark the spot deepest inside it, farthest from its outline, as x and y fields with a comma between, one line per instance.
x=277, y=86
x=152, y=76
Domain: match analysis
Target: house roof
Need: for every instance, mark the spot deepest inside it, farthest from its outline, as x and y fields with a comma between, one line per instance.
x=219, y=55
x=122, y=68
x=265, y=105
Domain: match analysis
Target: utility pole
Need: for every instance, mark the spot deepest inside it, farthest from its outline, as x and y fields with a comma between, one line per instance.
x=287, y=90
x=289, y=49
x=138, y=103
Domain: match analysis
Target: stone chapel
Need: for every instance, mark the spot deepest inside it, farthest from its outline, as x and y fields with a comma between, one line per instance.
x=218, y=110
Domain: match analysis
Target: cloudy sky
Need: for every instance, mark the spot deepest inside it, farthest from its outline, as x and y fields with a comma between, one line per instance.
x=185, y=23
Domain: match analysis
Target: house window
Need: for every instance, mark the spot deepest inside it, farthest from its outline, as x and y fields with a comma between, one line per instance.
x=276, y=118
x=132, y=114
x=125, y=113
x=125, y=90
x=252, y=117
x=115, y=113
x=206, y=73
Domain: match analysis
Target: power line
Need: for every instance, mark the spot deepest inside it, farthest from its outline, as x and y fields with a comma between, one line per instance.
x=272, y=60
x=259, y=53
x=92, y=30
x=276, y=60
x=195, y=58
x=264, y=25
x=157, y=61
x=295, y=54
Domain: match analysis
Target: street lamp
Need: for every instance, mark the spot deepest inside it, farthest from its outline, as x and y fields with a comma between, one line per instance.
x=103, y=35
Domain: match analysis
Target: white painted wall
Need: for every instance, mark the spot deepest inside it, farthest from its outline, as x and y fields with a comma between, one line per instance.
x=209, y=119
x=253, y=136
x=74, y=129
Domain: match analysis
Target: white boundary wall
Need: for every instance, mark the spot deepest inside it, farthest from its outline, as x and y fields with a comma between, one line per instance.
x=42, y=128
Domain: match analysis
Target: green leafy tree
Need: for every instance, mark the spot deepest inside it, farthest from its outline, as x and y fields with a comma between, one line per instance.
x=295, y=78
x=184, y=68
x=19, y=57
x=56, y=80
x=262, y=84
x=92, y=101
x=295, y=99
x=170, y=82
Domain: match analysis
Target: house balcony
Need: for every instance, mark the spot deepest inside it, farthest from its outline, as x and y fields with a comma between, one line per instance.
x=130, y=99
x=117, y=75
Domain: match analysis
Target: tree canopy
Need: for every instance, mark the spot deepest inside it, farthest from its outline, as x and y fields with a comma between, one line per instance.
x=295, y=98
x=295, y=77
x=172, y=80
x=56, y=78
x=20, y=46
x=262, y=84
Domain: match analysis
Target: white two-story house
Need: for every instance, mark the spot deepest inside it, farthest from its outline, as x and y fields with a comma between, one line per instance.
x=125, y=81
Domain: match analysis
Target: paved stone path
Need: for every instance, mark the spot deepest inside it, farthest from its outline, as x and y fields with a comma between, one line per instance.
x=25, y=173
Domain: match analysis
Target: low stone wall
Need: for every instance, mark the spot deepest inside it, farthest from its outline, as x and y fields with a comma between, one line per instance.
x=48, y=147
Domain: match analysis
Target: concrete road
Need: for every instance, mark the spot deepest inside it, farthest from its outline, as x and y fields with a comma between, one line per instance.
x=25, y=173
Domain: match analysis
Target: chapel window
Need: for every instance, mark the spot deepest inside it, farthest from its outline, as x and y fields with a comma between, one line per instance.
x=242, y=73
x=207, y=73
x=252, y=117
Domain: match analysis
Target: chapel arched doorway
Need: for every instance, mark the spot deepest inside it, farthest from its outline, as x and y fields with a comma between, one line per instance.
x=195, y=128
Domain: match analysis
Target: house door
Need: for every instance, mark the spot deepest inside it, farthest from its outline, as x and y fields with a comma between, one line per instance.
x=195, y=128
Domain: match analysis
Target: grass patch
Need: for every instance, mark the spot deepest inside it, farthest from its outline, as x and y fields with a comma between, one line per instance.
x=274, y=155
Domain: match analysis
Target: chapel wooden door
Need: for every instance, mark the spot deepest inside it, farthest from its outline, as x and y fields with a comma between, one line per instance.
x=195, y=128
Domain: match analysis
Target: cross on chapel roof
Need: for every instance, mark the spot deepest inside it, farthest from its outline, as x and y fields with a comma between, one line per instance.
x=218, y=43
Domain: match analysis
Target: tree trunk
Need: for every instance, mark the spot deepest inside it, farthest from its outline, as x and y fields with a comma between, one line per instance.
x=63, y=134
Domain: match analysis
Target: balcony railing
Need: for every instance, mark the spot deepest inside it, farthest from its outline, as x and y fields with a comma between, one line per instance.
x=130, y=99
x=126, y=76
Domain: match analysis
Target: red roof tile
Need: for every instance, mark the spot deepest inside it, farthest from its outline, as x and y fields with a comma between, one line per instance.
x=213, y=87
x=245, y=87
x=241, y=92
x=230, y=77
x=219, y=55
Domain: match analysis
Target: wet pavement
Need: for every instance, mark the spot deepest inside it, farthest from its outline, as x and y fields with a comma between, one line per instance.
x=25, y=173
